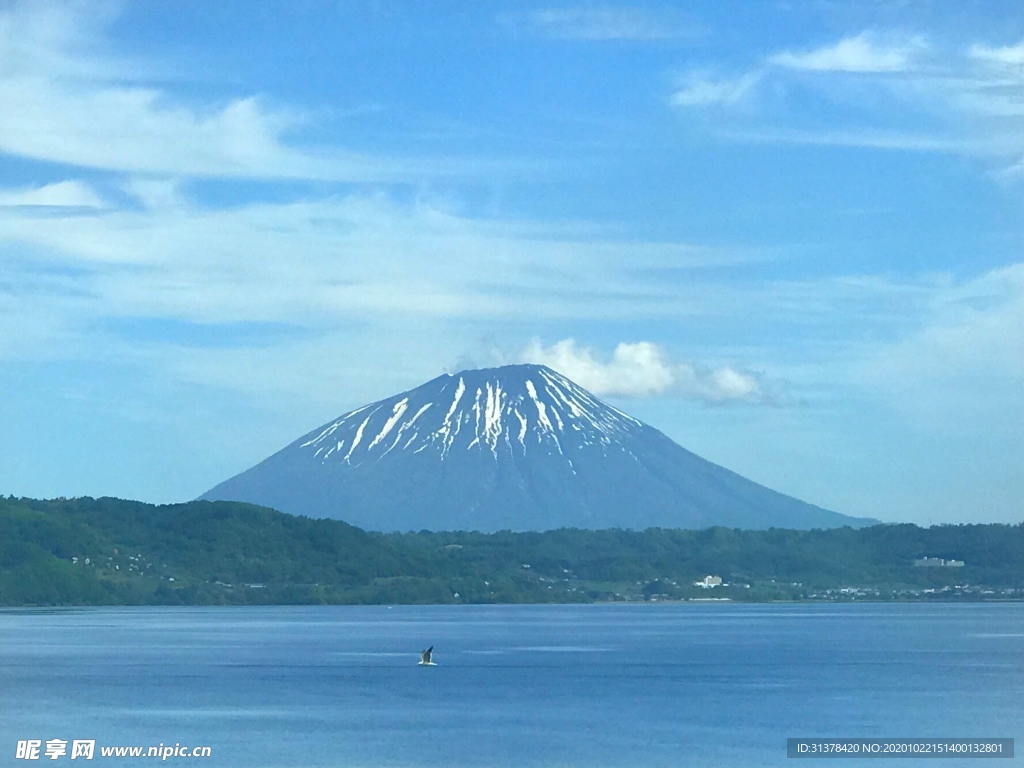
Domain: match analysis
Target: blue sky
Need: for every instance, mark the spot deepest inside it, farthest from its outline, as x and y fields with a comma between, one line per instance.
x=790, y=235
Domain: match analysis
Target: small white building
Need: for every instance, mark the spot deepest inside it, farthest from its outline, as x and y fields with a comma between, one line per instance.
x=708, y=582
x=937, y=562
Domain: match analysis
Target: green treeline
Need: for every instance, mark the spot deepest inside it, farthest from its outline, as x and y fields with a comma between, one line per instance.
x=113, y=552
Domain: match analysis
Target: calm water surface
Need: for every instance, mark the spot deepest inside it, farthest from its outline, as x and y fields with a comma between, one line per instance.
x=601, y=685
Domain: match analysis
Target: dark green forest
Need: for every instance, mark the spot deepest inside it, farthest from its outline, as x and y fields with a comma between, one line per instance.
x=108, y=551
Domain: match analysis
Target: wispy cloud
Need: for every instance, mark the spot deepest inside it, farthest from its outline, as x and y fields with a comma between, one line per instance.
x=993, y=89
x=140, y=130
x=870, y=138
x=378, y=268
x=65, y=102
x=874, y=90
x=605, y=23
x=701, y=89
x=860, y=53
x=363, y=262
x=61, y=194
x=58, y=40
x=1011, y=55
x=355, y=256
x=973, y=331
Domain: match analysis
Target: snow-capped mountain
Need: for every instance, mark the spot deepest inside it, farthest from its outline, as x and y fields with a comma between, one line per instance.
x=518, y=447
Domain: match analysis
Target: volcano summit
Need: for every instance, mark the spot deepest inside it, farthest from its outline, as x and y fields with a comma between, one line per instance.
x=518, y=447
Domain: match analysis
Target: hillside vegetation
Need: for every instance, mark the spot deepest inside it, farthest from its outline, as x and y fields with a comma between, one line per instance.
x=113, y=552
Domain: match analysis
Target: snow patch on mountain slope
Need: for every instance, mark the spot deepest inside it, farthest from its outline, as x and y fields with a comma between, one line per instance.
x=501, y=411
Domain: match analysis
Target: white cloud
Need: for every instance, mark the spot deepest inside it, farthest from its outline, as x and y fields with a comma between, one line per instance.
x=723, y=384
x=61, y=194
x=1012, y=55
x=861, y=53
x=156, y=192
x=138, y=130
x=958, y=374
x=641, y=369
x=145, y=285
x=607, y=23
x=702, y=90
x=858, y=54
x=321, y=264
x=867, y=137
x=993, y=90
x=885, y=91
x=972, y=331
x=350, y=257
x=64, y=102
x=635, y=369
x=57, y=40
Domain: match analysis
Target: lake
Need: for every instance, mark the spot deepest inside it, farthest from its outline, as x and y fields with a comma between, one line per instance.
x=596, y=685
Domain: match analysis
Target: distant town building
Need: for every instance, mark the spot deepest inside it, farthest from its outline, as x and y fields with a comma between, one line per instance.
x=934, y=562
x=708, y=581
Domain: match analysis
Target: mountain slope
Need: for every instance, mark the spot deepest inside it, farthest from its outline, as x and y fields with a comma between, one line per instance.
x=517, y=447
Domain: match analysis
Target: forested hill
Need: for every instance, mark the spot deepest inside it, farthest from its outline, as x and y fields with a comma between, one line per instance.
x=109, y=551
